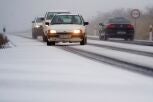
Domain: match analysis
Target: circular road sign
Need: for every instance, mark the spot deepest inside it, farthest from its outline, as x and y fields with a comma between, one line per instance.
x=135, y=13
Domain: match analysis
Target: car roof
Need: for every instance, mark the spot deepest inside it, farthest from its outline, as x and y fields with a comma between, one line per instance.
x=67, y=14
x=120, y=17
x=59, y=12
x=39, y=17
x=118, y=20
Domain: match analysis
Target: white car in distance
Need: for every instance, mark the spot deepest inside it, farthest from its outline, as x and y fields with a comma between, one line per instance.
x=67, y=28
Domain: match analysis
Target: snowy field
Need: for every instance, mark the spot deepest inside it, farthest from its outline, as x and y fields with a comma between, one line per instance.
x=30, y=71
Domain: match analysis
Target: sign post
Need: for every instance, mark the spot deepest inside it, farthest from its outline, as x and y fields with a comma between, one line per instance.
x=135, y=13
x=150, y=32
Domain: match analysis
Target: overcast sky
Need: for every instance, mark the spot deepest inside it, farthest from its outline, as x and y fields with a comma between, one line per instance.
x=18, y=14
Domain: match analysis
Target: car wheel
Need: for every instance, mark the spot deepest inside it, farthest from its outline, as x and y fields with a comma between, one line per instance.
x=131, y=38
x=105, y=37
x=100, y=37
x=50, y=43
x=44, y=38
x=34, y=35
x=84, y=41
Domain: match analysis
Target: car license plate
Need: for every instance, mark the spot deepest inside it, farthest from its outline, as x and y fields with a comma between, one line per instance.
x=64, y=36
x=121, y=32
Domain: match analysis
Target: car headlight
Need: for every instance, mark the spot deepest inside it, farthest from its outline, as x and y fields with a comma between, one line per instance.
x=37, y=26
x=77, y=31
x=53, y=31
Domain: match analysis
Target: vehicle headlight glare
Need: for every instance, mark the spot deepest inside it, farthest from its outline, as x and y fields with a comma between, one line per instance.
x=37, y=26
x=76, y=31
x=53, y=31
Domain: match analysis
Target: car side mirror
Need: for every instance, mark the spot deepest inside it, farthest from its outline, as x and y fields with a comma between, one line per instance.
x=86, y=23
x=47, y=23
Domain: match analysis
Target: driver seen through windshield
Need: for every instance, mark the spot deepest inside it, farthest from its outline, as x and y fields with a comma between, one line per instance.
x=66, y=19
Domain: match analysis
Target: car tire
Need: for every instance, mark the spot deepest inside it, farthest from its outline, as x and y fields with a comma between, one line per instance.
x=34, y=35
x=100, y=37
x=131, y=38
x=50, y=43
x=44, y=38
x=105, y=37
x=84, y=41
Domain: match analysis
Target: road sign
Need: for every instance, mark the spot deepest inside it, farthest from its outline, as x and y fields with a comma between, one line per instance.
x=135, y=13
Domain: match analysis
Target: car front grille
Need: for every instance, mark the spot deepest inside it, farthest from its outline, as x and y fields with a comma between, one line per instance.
x=64, y=33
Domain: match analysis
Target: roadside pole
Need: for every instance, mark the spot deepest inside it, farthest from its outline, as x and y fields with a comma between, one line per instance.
x=150, y=32
x=135, y=13
x=135, y=25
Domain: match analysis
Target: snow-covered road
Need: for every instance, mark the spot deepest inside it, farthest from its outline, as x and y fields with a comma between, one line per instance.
x=34, y=72
x=119, y=55
x=148, y=49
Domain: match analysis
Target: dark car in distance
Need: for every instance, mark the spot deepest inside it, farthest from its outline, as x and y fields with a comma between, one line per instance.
x=117, y=27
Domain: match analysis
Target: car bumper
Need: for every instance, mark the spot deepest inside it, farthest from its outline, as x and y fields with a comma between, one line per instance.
x=70, y=37
x=120, y=33
x=65, y=40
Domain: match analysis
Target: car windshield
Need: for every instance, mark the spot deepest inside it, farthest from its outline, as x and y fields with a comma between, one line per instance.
x=119, y=20
x=50, y=15
x=67, y=19
x=39, y=20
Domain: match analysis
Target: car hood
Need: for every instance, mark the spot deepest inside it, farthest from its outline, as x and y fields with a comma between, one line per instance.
x=67, y=27
x=48, y=20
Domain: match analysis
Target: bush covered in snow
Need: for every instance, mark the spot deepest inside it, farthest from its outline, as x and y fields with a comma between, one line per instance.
x=3, y=40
